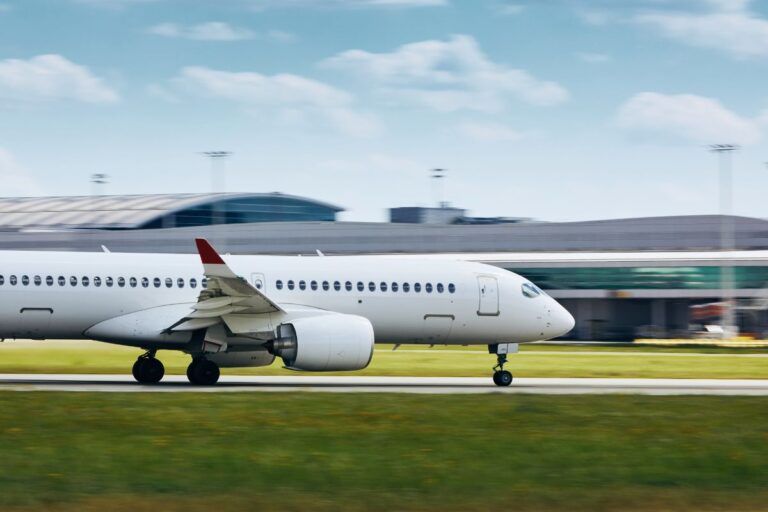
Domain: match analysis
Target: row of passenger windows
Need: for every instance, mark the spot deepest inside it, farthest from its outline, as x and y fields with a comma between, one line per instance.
x=383, y=286
x=97, y=281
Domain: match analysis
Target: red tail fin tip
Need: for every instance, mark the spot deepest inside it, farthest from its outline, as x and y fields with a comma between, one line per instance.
x=207, y=253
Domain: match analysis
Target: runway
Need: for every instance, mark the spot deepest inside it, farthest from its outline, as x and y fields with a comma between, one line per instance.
x=417, y=385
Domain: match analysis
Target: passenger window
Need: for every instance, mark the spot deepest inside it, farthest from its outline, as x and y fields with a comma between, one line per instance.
x=193, y=283
x=156, y=282
x=38, y=280
x=326, y=285
x=120, y=282
x=48, y=280
x=302, y=285
x=144, y=282
x=279, y=284
x=204, y=282
x=180, y=282
x=72, y=280
x=313, y=285
x=96, y=281
x=406, y=287
x=12, y=280
x=394, y=286
x=25, y=280
x=383, y=286
x=336, y=285
x=451, y=288
x=440, y=288
x=133, y=282
x=372, y=286
x=291, y=285
x=85, y=280
x=417, y=287
x=168, y=282
x=2, y=280
x=360, y=286
x=62, y=280
x=108, y=281
x=348, y=286
x=428, y=287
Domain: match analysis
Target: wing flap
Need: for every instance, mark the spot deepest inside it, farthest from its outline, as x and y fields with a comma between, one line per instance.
x=226, y=294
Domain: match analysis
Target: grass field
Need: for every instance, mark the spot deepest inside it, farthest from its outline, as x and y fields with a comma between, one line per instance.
x=318, y=452
x=533, y=361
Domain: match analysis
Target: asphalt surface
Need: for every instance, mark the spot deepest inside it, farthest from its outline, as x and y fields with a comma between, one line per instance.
x=419, y=385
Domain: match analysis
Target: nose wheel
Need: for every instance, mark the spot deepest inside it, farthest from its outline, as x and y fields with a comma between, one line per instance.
x=501, y=377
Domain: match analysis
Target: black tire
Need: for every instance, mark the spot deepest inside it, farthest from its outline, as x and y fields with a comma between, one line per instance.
x=137, y=367
x=148, y=370
x=503, y=378
x=152, y=371
x=190, y=371
x=203, y=373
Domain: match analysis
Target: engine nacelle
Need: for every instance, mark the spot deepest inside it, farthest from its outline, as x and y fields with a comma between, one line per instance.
x=325, y=343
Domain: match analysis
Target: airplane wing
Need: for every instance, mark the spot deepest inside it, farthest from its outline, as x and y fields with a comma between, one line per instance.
x=226, y=294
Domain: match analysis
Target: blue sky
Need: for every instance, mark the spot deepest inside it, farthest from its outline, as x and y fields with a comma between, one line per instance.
x=552, y=109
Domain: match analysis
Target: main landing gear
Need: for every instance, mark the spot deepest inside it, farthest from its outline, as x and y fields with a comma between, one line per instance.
x=502, y=377
x=202, y=372
x=147, y=369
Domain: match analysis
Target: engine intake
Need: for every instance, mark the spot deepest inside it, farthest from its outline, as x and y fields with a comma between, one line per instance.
x=325, y=343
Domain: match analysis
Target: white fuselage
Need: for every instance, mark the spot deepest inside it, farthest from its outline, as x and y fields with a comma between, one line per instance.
x=59, y=295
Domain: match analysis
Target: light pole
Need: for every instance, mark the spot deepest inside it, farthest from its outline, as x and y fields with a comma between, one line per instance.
x=727, y=238
x=438, y=175
x=217, y=169
x=97, y=180
x=218, y=184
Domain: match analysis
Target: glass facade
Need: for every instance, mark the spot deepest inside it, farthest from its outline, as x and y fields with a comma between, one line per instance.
x=641, y=278
x=273, y=208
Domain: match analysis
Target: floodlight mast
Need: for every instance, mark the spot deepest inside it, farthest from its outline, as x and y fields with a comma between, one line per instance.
x=727, y=235
x=438, y=176
x=98, y=180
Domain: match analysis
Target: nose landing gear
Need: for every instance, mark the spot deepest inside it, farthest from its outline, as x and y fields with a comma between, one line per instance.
x=502, y=377
x=147, y=369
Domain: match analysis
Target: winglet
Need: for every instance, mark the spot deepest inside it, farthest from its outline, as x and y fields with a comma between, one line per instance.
x=207, y=253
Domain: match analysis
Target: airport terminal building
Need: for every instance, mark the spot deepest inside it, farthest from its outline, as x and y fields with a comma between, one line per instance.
x=621, y=279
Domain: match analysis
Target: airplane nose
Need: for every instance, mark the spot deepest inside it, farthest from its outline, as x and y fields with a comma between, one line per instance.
x=561, y=321
x=565, y=321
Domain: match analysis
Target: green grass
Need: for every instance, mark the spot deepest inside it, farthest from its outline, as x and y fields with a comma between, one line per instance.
x=534, y=361
x=151, y=452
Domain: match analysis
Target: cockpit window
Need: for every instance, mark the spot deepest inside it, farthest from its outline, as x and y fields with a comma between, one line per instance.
x=530, y=291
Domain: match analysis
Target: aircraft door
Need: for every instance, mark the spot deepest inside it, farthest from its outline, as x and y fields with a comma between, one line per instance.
x=259, y=282
x=33, y=322
x=489, y=296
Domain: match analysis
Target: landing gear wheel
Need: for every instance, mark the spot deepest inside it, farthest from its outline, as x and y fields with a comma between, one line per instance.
x=148, y=370
x=203, y=372
x=502, y=378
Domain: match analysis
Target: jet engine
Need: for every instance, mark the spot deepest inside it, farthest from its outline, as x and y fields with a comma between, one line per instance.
x=324, y=343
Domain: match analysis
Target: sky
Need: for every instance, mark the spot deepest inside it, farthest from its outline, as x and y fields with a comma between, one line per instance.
x=557, y=110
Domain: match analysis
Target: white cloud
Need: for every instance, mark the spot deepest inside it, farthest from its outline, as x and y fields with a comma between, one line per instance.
x=729, y=26
x=51, y=77
x=344, y=4
x=209, y=31
x=447, y=76
x=686, y=117
x=16, y=181
x=488, y=132
x=292, y=98
x=593, y=58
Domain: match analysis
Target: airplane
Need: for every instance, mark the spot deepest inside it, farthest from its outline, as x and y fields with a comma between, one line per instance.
x=319, y=313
